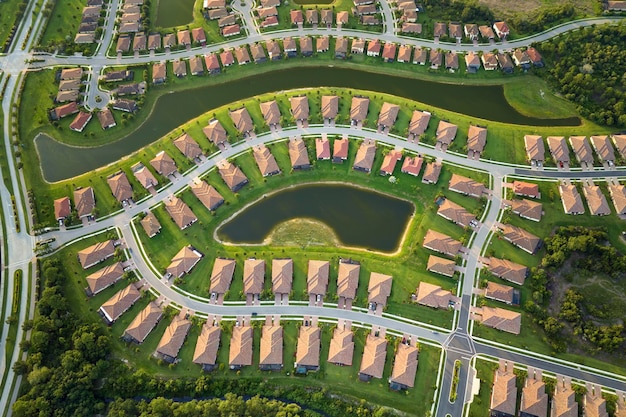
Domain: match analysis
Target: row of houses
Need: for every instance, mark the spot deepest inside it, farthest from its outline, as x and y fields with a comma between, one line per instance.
x=534, y=400
x=70, y=84
x=473, y=32
x=129, y=20
x=596, y=200
x=560, y=151
x=89, y=22
x=227, y=21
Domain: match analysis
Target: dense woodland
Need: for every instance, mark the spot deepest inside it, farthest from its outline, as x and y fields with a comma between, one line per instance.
x=70, y=372
x=588, y=255
x=588, y=67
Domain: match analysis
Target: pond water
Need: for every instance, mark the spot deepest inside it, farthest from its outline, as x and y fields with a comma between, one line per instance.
x=172, y=110
x=359, y=217
x=174, y=13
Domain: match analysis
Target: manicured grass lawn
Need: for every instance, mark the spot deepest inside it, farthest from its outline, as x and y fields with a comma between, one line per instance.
x=481, y=403
x=63, y=22
x=8, y=10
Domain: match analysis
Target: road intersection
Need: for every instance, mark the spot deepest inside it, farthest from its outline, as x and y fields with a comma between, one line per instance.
x=458, y=344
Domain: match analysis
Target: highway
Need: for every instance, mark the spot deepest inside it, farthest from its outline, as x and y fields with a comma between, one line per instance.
x=458, y=343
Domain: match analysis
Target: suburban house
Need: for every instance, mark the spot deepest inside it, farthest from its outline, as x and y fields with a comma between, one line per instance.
x=104, y=278
x=341, y=347
x=144, y=176
x=502, y=29
x=374, y=355
x=71, y=74
x=455, y=213
x=207, y=346
x=215, y=132
x=558, y=149
x=347, y=281
x=231, y=30
x=265, y=160
x=455, y=31
x=308, y=350
x=521, y=59
x=620, y=143
x=466, y=186
x=526, y=189
x=306, y=46
x=253, y=278
x=183, y=262
x=242, y=121
x=340, y=150
x=446, y=132
x=326, y=17
x=564, y=398
x=440, y=29
x=358, y=109
x=490, y=61
x=163, y=164
x=594, y=404
x=404, y=53
x=80, y=121
x=572, y=202
x=298, y=154
x=504, y=392
x=317, y=279
x=139, y=42
x=95, y=254
x=300, y=108
x=476, y=140
x=503, y=293
x=441, y=266
x=322, y=149
x=431, y=173
x=435, y=57
x=271, y=113
x=434, y=296
x=150, y=224
x=188, y=147
x=373, y=48
x=389, y=52
x=604, y=149
x=154, y=41
x=365, y=156
x=471, y=31
x=173, y=339
x=84, y=202
x=526, y=209
x=441, y=243
x=389, y=162
x=519, y=237
x=341, y=46
x=221, y=277
x=378, y=290
x=412, y=165
x=498, y=318
x=582, y=150
x=183, y=37
x=62, y=208
x=126, y=105
x=143, y=324
x=472, y=62
x=297, y=18
x=207, y=194
x=169, y=40
x=240, y=353
x=341, y=18
x=358, y=46
x=404, y=367
x=106, y=119
x=212, y=64
x=159, y=73
x=420, y=55
x=232, y=175
x=242, y=55
x=596, y=200
x=618, y=195
x=418, y=124
x=117, y=305
x=486, y=32
x=227, y=58
x=534, y=400
x=535, y=57
x=322, y=44
x=282, y=276
x=388, y=115
x=452, y=61
x=179, y=212
x=271, y=357
x=535, y=149
x=507, y=270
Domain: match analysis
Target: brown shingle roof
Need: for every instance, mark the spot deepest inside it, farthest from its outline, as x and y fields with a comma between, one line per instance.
x=374, y=353
x=507, y=270
x=62, y=208
x=389, y=162
x=282, y=275
x=534, y=398
x=105, y=277
x=520, y=237
x=71, y=74
x=144, y=176
x=215, y=132
x=96, y=253
x=603, y=147
x=265, y=160
x=499, y=292
x=271, y=346
x=388, y=114
x=620, y=144
x=347, y=279
x=618, y=195
x=179, y=212
x=187, y=146
x=300, y=107
x=207, y=345
x=570, y=197
x=322, y=148
x=298, y=153
x=441, y=265
x=143, y=324
x=358, y=109
x=232, y=175
x=242, y=120
x=405, y=365
x=120, y=187
x=527, y=209
x=253, y=276
x=535, y=149
x=341, y=347
x=526, y=189
x=441, y=243
x=365, y=155
x=596, y=200
x=207, y=194
x=476, y=138
x=558, y=148
x=241, y=346
x=163, y=164
x=379, y=288
x=564, y=399
x=330, y=106
x=412, y=165
x=504, y=394
x=308, y=350
x=581, y=148
x=433, y=296
x=84, y=201
x=501, y=319
x=431, y=173
x=184, y=261
x=317, y=277
x=120, y=303
x=455, y=213
x=467, y=186
x=594, y=404
x=222, y=275
x=151, y=224
x=419, y=122
x=174, y=337
x=340, y=148
x=446, y=132
x=184, y=37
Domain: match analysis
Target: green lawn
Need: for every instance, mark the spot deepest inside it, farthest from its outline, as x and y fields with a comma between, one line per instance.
x=8, y=11
x=62, y=26
x=481, y=402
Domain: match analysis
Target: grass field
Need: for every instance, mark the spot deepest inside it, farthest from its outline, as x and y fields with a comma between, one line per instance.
x=63, y=22
x=8, y=10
